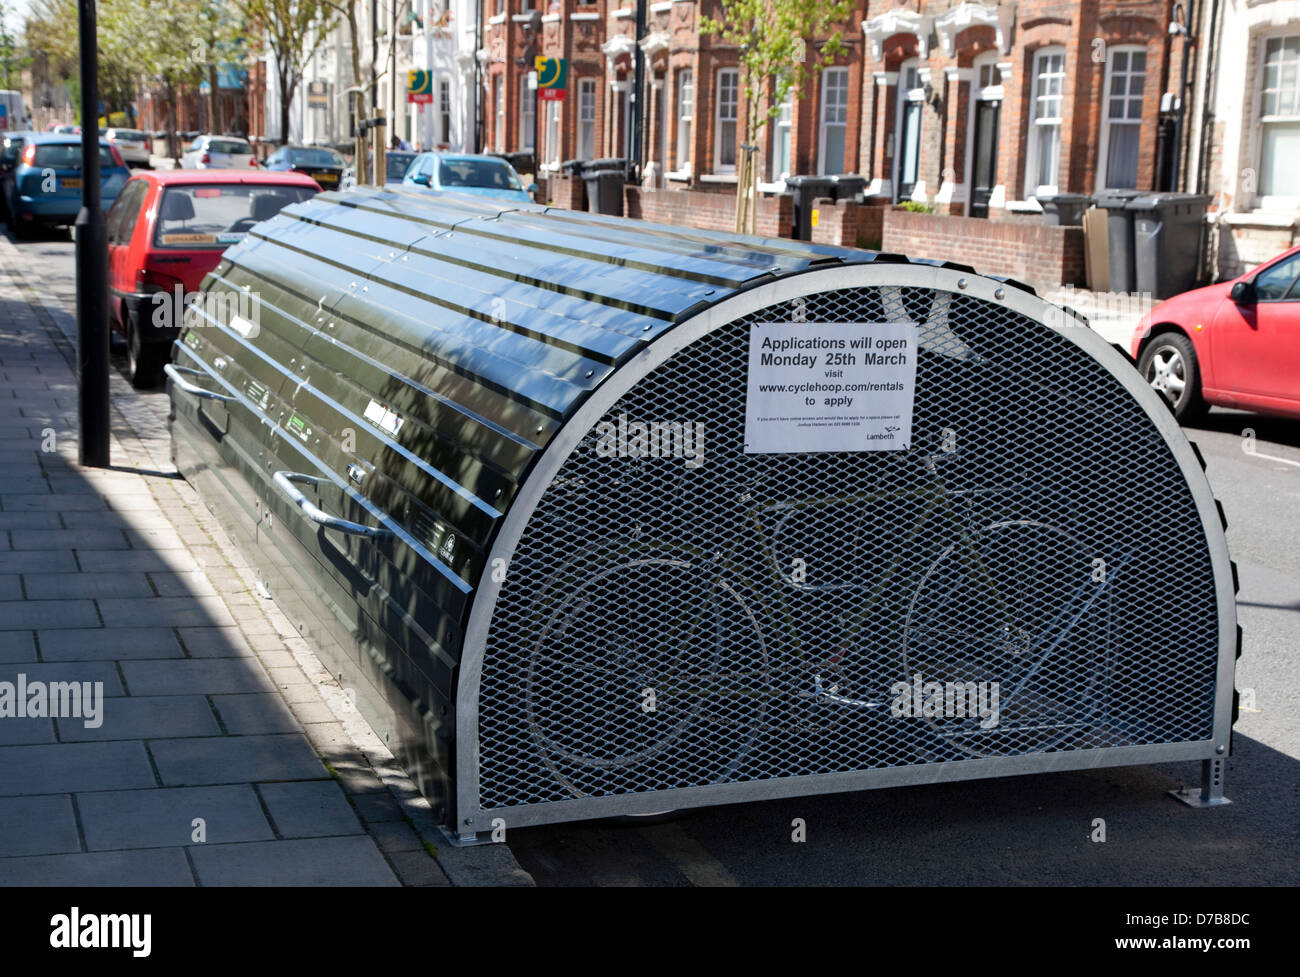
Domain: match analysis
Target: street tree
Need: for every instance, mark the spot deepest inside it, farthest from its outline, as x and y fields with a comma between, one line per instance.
x=294, y=30
x=778, y=42
x=12, y=58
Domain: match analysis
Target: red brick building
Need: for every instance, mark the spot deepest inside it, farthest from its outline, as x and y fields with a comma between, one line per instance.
x=976, y=108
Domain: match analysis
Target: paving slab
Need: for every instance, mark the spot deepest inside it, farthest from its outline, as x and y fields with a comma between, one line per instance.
x=54, y=586
x=63, y=767
x=165, y=816
x=29, y=615
x=176, y=612
x=353, y=860
x=310, y=809
x=43, y=825
x=145, y=717
x=235, y=759
x=17, y=646
x=157, y=867
x=78, y=671
x=252, y=713
x=27, y=730
x=205, y=676
x=90, y=644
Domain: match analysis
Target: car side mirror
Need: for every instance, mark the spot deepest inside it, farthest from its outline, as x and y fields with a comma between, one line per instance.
x=532, y=189
x=421, y=178
x=1243, y=293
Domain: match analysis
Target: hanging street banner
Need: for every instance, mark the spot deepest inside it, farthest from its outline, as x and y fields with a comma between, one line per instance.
x=552, y=78
x=419, y=87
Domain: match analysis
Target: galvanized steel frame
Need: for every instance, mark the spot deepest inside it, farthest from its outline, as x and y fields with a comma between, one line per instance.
x=470, y=819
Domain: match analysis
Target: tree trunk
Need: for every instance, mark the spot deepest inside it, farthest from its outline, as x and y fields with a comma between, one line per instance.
x=286, y=96
x=214, y=99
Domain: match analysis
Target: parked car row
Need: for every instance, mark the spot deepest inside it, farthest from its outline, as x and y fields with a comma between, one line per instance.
x=41, y=179
x=1234, y=344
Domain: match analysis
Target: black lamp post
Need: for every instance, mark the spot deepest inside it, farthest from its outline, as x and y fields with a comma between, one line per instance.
x=92, y=264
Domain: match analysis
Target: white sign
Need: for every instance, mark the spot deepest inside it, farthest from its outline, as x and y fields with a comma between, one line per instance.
x=821, y=386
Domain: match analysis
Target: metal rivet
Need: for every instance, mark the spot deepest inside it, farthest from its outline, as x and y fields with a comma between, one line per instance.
x=999, y=293
x=589, y=374
x=645, y=328
x=539, y=430
x=1220, y=749
x=961, y=283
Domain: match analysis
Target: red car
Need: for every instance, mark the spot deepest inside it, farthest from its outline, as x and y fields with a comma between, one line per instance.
x=1234, y=344
x=166, y=231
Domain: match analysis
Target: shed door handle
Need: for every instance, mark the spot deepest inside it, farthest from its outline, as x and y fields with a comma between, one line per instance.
x=177, y=373
x=284, y=481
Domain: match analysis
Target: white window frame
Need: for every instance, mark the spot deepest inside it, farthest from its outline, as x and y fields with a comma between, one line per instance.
x=443, y=114
x=1271, y=202
x=586, y=148
x=499, y=112
x=826, y=122
x=720, y=116
x=553, y=135
x=527, y=118
x=783, y=129
x=904, y=97
x=1103, y=143
x=1032, y=187
x=685, y=118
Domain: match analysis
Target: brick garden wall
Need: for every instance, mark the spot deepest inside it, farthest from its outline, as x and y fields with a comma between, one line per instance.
x=1031, y=252
x=707, y=210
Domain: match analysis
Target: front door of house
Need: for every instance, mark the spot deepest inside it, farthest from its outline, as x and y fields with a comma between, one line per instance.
x=984, y=161
x=909, y=163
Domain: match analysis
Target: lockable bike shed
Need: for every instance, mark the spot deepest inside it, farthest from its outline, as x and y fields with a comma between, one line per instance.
x=538, y=486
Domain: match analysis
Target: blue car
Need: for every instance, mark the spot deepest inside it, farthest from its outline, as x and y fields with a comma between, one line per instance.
x=43, y=184
x=481, y=176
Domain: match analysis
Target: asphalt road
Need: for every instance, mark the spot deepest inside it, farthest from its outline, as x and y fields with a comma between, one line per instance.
x=1026, y=830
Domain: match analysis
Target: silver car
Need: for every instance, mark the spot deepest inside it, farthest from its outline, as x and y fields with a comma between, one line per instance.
x=218, y=153
x=132, y=144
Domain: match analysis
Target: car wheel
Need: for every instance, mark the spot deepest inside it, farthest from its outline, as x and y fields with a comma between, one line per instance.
x=144, y=361
x=22, y=230
x=1169, y=365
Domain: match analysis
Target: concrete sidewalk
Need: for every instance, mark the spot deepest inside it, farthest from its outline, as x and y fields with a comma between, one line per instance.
x=224, y=753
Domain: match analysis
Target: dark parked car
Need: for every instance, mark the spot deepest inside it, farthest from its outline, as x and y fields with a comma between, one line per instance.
x=396, y=163
x=323, y=165
x=44, y=185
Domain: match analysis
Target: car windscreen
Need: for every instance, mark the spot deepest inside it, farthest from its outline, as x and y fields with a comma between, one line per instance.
x=67, y=156
x=231, y=146
x=216, y=216
x=396, y=165
x=130, y=135
x=477, y=173
x=315, y=157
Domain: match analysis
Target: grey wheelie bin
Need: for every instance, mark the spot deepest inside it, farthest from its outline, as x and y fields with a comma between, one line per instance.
x=1065, y=208
x=807, y=190
x=1119, y=238
x=1168, y=231
x=605, y=179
